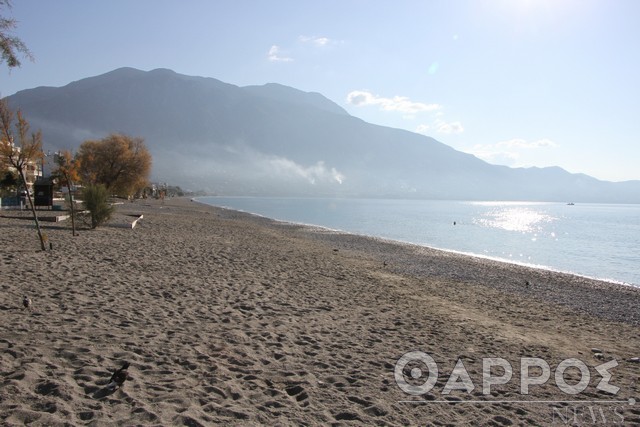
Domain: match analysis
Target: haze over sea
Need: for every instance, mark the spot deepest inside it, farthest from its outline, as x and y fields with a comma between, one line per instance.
x=595, y=240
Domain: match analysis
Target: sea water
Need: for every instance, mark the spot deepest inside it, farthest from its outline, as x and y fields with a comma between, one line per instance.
x=594, y=240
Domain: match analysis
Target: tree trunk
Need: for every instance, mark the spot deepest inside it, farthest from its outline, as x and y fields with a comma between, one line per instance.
x=33, y=210
x=72, y=206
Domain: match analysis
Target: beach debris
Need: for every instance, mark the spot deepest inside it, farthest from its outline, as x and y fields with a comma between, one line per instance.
x=598, y=355
x=335, y=250
x=635, y=360
x=119, y=377
x=596, y=350
x=26, y=302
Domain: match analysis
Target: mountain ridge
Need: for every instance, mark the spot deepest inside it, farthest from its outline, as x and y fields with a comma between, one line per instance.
x=276, y=140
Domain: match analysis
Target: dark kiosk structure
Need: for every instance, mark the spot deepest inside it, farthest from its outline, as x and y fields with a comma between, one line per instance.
x=43, y=192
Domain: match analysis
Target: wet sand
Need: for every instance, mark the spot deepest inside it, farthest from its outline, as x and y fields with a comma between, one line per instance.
x=232, y=319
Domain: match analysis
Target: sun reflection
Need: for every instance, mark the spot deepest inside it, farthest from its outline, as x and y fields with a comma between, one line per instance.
x=519, y=219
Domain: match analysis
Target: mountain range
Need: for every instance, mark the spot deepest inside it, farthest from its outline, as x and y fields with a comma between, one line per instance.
x=277, y=140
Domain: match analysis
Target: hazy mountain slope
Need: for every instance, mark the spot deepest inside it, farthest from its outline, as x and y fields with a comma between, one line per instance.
x=273, y=139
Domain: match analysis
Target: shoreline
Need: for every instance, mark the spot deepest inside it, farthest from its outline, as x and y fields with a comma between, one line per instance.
x=402, y=242
x=233, y=319
x=540, y=278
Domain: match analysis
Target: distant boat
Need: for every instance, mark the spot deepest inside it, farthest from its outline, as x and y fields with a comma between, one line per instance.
x=570, y=204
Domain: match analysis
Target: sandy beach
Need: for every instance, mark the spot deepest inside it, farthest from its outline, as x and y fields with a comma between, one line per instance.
x=232, y=319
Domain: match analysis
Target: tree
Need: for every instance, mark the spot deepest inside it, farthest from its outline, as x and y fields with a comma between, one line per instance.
x=119, y=162
x=67, y=173
x=27, y=152
x=10, y=45
x=95, y=199
x=8, y=181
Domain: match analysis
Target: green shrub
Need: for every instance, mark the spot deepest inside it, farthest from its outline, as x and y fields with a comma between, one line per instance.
x=95, y=198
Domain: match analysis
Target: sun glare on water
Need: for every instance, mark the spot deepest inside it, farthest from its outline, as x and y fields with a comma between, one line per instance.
x=521, y=219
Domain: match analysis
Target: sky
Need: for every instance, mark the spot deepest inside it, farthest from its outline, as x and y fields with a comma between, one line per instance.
x=515, y=82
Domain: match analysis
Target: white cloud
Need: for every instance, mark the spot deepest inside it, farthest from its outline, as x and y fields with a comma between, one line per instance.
x=314, y=173
x=440, y=126
x=249, y=164
x=510, y=151
x=522, y=143
x=317, y=41
x=423, y=128
x=452, y=127
x=397, y=103
x=276, y=55
x=490, y=154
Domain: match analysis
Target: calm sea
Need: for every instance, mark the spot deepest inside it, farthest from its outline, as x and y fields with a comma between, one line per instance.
x=594, y=240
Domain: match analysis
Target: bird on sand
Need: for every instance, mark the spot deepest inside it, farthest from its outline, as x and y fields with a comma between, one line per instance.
x=26, y=302
x=119, y=376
